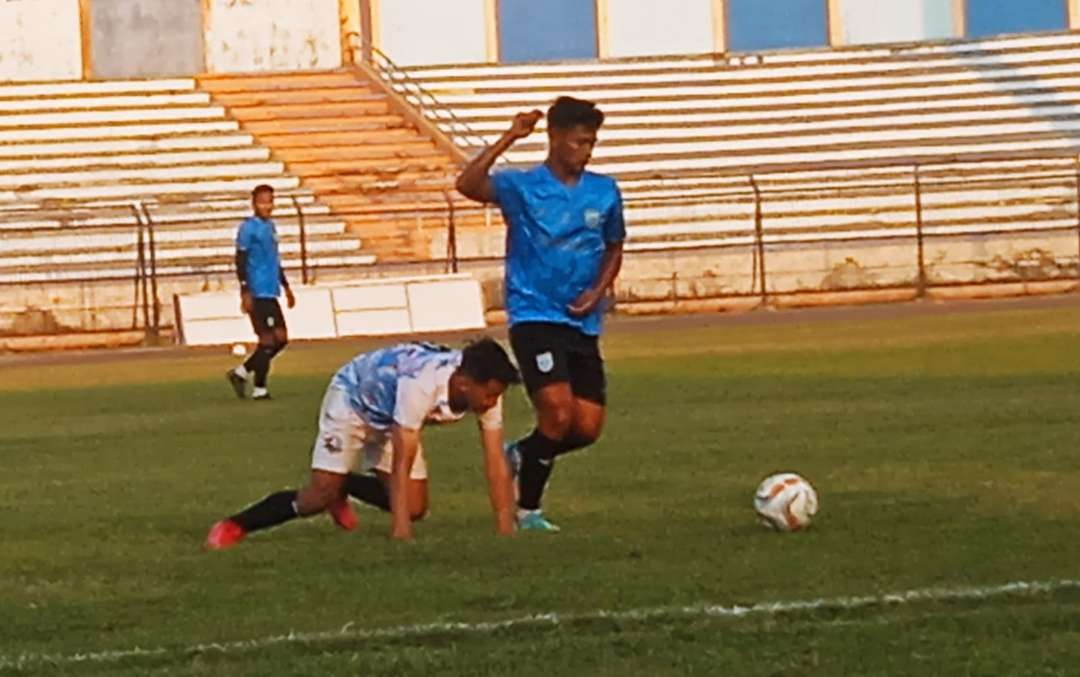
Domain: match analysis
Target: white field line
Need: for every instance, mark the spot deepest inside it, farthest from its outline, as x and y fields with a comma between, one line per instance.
x=552, y=619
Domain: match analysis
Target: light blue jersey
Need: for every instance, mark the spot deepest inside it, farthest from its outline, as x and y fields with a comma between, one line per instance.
x=406, y=384
x=555, y=242
x=258, y=238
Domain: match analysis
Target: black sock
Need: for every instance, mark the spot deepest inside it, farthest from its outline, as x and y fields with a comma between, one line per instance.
x=537, y=461
x=257, y=363
x=253, y=360
x=369, y=489
x=273, y=510
x=262, y=365
x=571, y=444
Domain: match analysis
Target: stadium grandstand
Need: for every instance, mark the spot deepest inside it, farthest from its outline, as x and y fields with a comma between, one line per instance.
x=763, y=149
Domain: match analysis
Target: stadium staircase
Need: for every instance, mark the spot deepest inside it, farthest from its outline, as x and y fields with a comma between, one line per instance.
x=347, y=139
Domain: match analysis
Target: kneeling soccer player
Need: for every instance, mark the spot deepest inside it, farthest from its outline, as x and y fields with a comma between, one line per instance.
x=370, y=420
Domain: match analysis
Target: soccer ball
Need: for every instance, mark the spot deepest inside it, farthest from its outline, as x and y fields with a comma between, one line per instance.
x=785, y=502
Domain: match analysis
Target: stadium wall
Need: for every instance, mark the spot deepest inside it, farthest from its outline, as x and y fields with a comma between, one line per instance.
x=95, y=39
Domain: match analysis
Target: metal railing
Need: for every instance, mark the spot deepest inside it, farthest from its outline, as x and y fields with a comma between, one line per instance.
x=415, y=93
x=917, y=208
x=146, y=271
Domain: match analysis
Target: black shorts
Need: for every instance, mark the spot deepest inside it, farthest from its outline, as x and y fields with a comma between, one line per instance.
x=557, y=353
x=266, y=316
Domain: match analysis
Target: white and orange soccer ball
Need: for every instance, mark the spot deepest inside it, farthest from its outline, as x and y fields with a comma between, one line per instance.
x=785, y=502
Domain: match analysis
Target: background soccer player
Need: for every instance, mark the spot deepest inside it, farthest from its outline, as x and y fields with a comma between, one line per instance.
x=370, y=420
x=564, y=249
x=258, y=266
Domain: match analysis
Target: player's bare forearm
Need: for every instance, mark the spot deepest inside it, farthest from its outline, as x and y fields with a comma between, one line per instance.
x=246, y=302
x=405, y=443
x=609, y=266
x=241, y=267
x=500, y=487
x=473, y=182
x=587, y=301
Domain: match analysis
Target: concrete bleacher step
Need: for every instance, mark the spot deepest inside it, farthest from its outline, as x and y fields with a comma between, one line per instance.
x=404, y=149
x=401, y=137
x=65, y=241
x=168, y=158
x=301, y=111
x=86, y=103
x=18, y=180
x=209, y=266
x=369, y=126
x=117, y=131
x=150, y=144
x=140, y=189
x=207, y=211
x=289, y=81
x=165, y=252
x=282, y=97
x=109, y=116
x=94, y=88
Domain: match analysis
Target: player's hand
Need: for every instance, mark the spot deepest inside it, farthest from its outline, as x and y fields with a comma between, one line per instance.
x=524, y=124
x=402, y=534
x=247, y=303
x=585, y=303
x=290, y=298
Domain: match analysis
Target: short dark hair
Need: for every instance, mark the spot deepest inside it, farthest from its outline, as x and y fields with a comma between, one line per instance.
x=262, y=188
x=484, y=360
x=569, y=112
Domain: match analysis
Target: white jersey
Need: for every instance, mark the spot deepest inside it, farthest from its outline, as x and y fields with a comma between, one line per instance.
x=406, y=384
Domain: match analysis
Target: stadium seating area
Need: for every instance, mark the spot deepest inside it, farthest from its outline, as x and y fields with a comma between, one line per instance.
x=685, y=133
x=80, y=160
x=829, y=143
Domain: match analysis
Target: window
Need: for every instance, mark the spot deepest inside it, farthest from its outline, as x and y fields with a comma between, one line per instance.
x=754, y=25
x=541, y=31
x=992, y=17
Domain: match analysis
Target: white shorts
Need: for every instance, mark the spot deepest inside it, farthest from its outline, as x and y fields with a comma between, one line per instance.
x=348, y=444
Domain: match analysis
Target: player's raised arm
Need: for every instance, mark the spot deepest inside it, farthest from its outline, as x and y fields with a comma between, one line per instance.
x=406, y=442
x=474, y=182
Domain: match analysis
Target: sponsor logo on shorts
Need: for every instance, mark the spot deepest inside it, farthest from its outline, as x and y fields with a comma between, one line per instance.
x=545, y=362
x=270, y=321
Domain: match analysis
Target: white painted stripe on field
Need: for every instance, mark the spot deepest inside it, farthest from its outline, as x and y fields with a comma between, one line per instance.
x=552, y=619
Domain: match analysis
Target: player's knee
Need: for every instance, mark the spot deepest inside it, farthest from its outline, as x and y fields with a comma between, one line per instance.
x=556, y=422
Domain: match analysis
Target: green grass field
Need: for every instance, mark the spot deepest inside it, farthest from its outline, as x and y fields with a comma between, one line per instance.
x=943, y=446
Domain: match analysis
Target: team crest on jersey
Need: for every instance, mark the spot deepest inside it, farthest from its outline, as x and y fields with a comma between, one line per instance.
x=332, y=443
x=545, y=362
x=592, y=218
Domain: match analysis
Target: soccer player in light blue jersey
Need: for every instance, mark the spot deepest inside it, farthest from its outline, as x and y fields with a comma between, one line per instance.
x=369, y=442
x=564, y=243
x=258, y=267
